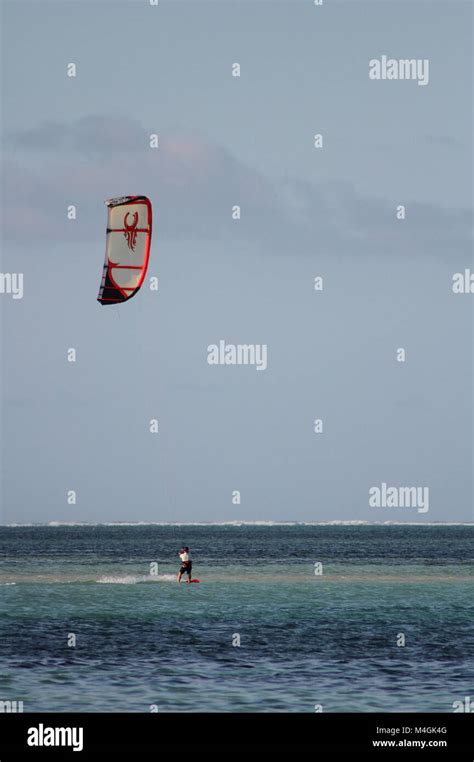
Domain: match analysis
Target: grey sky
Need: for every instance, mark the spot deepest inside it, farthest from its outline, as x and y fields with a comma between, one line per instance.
x=305, y=212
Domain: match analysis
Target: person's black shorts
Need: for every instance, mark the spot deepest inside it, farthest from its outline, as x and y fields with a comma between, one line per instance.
x=186, y=568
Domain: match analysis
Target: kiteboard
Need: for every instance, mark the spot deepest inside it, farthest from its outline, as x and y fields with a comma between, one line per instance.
x=194, y=580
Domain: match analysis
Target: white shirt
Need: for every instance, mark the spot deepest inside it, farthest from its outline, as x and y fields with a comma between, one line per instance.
x=184, y=556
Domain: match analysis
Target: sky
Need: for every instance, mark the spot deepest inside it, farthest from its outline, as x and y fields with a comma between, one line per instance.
x=305, y=212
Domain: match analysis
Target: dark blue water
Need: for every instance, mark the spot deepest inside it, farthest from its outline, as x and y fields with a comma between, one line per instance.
x=92, y=618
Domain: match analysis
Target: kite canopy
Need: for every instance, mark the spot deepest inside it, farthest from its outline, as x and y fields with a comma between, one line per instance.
x=127, y=249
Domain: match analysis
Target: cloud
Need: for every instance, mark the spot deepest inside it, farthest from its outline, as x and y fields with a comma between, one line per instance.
x=89, y=136
x=194, y=183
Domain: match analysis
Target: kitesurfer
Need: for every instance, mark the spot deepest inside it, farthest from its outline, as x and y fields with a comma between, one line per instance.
x=186, y=564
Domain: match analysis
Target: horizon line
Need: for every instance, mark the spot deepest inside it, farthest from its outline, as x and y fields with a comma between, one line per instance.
x=239, y=522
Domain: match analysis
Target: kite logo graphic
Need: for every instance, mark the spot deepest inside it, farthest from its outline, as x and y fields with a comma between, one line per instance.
x=130, y=232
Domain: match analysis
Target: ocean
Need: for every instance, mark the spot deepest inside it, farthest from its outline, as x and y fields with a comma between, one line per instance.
x=286, y=618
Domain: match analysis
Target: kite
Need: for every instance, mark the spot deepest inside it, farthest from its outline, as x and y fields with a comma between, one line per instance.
x=127, y=249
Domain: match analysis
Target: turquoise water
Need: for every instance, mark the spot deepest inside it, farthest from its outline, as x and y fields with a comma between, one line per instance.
x=305, y=639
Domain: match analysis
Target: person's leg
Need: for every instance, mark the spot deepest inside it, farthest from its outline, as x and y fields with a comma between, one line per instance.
x=190, y=569
x=179, y=576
